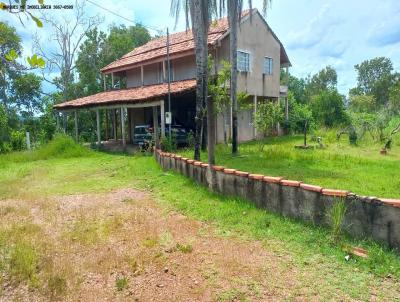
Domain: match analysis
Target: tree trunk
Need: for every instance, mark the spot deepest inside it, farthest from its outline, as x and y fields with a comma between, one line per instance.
x=204, y=132
x=233, y=25
x=199, y=14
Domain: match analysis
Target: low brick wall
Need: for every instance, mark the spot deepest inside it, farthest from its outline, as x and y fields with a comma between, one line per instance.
x=366, y=217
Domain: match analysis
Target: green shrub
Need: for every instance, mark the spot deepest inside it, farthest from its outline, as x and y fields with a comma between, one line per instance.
x=336, y=215
x=121, y=283
x=17, y=140
x=62, y=146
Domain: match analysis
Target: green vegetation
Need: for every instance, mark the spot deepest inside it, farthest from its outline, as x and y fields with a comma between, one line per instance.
x=308, y=247
x=360, y=169
x=121, y=283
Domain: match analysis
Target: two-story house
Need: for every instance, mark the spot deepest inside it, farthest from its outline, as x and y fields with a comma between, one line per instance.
x=260, y=58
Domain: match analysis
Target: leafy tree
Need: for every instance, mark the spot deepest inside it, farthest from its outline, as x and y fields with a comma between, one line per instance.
x=297, y=87
x=375, y=78
x=328, y=108
x=267, y=116
x=122, y=40
x=100, y=49
x=10, y=42
x=26, y=94
x=298, y=114
x=394, y=97
x=218, y=87
x=325, y=79
x=362, y=103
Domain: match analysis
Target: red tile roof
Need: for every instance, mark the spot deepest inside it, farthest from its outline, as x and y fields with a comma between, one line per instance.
x=179, y=43
x=131, y=95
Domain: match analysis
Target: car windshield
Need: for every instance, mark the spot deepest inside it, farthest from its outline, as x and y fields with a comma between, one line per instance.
x=142, y=130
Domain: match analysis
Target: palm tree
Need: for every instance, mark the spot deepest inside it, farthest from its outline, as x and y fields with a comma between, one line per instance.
x=235, y=8
x=200, y=12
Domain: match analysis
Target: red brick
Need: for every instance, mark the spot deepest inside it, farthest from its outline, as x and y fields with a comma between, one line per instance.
x=197, y=163
x=337, y=193
x=311, y=188
x=229, y=171
x=290, y=183
x=190, y=161
x=204, y=165
x=392, y=202
x=272, y=179
x=256, y=176
x=218, y=168
x=241, y=173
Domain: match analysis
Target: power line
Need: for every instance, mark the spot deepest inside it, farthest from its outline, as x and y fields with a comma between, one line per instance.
x=129, y=20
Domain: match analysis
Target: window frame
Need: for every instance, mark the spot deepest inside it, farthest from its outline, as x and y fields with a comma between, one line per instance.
x=271, y=66
x=248, y=60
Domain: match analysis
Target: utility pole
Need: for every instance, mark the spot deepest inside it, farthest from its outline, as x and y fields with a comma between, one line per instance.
x=169, y=85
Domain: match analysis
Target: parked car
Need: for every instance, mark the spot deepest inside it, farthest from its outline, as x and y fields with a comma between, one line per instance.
x=180, y=134
x=143, y=136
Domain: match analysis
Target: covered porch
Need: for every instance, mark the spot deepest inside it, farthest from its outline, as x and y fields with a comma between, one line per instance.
x=119, y=111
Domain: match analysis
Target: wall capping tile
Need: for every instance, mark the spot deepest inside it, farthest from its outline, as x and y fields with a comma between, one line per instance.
x=256, y=176
x=290, y=183
x=336, y=193
x=311, y=188
x=241, y=173
x=272, y=179
x=229, y=171
x=218, y=168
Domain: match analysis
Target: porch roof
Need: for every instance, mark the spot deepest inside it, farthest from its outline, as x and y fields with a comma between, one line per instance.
x=129, y=96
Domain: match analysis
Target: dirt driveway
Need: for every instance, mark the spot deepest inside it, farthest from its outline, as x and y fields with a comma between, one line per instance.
x=123, y=246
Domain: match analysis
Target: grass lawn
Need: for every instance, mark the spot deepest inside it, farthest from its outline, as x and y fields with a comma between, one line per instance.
x=359, y=169
x=40, y=236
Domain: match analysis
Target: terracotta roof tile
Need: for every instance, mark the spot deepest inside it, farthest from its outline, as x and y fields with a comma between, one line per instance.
x=131, y=95
x=179, y=42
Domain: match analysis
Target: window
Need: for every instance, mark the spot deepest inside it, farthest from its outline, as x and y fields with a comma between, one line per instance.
x=243, y=61
x=268, y=67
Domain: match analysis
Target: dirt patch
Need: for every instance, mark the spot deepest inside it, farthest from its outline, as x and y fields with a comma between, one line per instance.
x=122, y=246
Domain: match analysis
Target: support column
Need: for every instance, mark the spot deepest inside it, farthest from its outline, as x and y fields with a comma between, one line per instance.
x=123, y=127
x=162, y=119
x=142, y=74
x=128, y=113
x=164, y=73
x=254, y=115
x=107, y=126
x=64, y=122
x=76, y=126
x=98, y=127
x=286, y=98
x=112, y=81
x=114, y=113
x=104, y=83
x=155, y=126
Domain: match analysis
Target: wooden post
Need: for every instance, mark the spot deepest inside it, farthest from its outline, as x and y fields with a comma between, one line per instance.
x=114, y=113
x=123, y=127
x=76, y=125
x=142, y=74
x=65, y=122
x=128, y=113
x=162, y=119
x=106, y=111
x=163, y=69
x=98, y=127
x=155, y=126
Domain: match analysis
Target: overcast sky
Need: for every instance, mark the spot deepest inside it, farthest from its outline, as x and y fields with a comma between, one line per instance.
x=315, y=33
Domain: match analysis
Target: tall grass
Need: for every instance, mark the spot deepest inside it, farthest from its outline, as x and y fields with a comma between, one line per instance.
x=336, y=215
x=62, y=146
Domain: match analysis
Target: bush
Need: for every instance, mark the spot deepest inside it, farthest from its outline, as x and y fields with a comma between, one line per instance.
x=17, y=140
x=298, y=114
x=328, y=108
x=62, y=146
